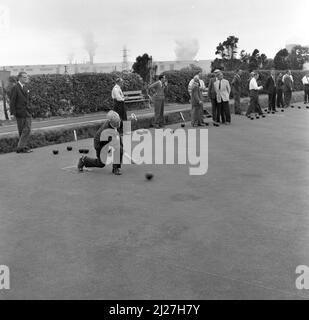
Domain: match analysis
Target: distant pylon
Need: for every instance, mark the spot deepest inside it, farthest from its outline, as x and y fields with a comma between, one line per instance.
x=125, y=63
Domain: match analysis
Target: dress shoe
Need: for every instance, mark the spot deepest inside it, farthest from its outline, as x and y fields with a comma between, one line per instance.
x=81, y=164
x=117, y=172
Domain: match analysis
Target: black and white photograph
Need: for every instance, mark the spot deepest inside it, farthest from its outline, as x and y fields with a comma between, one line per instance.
x=154, y=151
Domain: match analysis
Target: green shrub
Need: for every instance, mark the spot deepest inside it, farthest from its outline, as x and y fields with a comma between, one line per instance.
x=60, y=95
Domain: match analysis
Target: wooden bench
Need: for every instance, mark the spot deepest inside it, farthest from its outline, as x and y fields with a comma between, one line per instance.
x=134, y=96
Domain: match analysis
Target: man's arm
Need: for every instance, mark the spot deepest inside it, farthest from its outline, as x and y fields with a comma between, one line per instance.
x=228, y=87
x=190, y=86
x=153, y=85
x=13, y=99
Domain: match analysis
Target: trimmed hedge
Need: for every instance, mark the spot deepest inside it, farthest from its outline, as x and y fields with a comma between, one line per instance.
x=67, y=95
x=178, y=83
x=59, y=95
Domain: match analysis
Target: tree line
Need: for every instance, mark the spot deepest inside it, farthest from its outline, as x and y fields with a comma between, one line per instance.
x=228, y=58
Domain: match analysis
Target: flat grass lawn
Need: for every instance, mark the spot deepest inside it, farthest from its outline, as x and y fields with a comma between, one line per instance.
x=238, y=232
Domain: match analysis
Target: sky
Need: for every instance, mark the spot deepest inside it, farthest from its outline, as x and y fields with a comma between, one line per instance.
x=49, y=31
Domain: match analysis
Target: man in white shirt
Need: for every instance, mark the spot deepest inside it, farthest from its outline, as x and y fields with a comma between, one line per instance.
x=305, y=82
x=202, y=83
x=119, y=102
x=288, y=74
x=254, y=95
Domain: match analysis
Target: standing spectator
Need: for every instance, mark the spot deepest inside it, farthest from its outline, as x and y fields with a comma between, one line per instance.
x=254, y=95
x=201, y=82
x=213, y=96
x=203, y=90
x=279, y=87
x=270, y=87
x=20, y=109
x=223, y=91
x=287, y=89
x=305, y=81
x=236, y=89
x=158, y=97
x=289, y=74
x=119, y=104
x=197, y=103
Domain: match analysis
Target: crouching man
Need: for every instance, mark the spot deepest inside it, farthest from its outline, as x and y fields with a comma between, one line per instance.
x=106, y=138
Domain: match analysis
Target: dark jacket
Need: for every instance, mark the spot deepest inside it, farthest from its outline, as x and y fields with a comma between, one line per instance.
x=97, y=142
x=270, y=85
x=20, y=102
x=236, y=84
x=279, y=84
x=211, y=89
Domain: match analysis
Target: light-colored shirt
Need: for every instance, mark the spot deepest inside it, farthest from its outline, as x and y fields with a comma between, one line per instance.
x=253, y=85
x=202, y=85
x=305, y=80
x=22, y=86
x=117, y=93
x=288, y=76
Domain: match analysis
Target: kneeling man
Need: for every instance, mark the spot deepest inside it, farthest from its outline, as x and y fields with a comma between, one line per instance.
x=107, y=137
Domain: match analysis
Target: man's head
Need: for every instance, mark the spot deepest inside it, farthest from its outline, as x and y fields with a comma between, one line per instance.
x=220, y=76
x=216, y=72
x=196, y=79
x=119, y=81
x=114, y=119
x=254, y=74
x=199, y=75
x=288, y=72
x=162, y=77
x=239, y=72
x=272, y=72
x=23, y=77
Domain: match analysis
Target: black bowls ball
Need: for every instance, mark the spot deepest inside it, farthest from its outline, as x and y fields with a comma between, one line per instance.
x=149, y=176
x=69, y=148
x=55, y=152
x=84, y=151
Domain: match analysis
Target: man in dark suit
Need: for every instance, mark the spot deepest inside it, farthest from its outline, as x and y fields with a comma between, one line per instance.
x=270, y=87
x=20, y=109
x=213, y=96
x=158, y=97
x=236, y=89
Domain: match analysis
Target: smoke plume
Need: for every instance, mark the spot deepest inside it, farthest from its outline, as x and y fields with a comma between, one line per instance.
x=90, y=45
x=187, y=49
